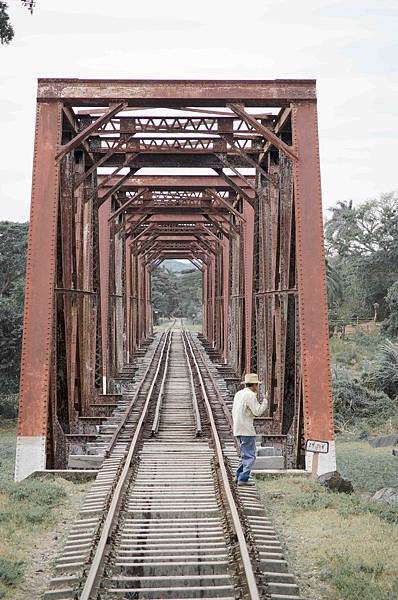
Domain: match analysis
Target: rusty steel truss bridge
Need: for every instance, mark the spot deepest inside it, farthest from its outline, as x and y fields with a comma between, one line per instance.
x=128, y=173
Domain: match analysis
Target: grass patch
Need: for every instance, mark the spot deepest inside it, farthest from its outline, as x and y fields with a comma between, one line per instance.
x=11, y=571
x=29, y=512
x=342, y=547
x=369, y=469
x=356, y=351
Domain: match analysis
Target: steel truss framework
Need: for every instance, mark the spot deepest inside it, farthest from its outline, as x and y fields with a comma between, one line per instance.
x=98, y=228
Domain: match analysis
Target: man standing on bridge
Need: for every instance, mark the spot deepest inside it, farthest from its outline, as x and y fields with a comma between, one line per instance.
x=245, y=408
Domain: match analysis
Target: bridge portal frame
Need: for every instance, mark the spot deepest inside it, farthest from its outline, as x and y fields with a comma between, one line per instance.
x=37, y=439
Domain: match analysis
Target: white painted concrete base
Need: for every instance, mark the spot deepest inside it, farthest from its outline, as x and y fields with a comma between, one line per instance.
x=30, y=456
x=265, y=472
x=326, y=462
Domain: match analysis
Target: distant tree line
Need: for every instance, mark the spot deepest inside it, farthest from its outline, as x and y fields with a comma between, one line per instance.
x=177, y=294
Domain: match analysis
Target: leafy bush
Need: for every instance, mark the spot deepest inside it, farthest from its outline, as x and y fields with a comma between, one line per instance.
x=384, y=374
x=11, y=571
x=9, y=406
x=390, y=325
x=347, y=358
x=353, y=400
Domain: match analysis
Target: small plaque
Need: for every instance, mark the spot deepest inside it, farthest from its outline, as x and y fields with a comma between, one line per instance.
x=317, y=446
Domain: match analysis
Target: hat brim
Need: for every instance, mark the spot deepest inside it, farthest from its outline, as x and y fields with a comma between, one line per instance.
x=252, y=382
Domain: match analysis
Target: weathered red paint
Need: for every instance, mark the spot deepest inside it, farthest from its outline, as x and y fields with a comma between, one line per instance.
x=318, y=411
x=40, y=275
x=104, y=242
x=153, y=226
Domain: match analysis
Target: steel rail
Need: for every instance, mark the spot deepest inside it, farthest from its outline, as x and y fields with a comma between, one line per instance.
x=134, y=399
x=220, y=399
x=243, y=549
x=156, y=420
x=193, y=391
x=99, y=556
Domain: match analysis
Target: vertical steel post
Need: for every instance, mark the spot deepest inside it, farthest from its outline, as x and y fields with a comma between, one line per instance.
x=225, y=293
x=104, y=247
x=248, y=239
x=39, y=296
x=318, y=409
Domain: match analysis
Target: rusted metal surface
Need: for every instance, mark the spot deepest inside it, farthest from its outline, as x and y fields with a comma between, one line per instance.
x=248, y=251
x=255, y=237
x=40, y=275
x=136, y=92
x=318, y=411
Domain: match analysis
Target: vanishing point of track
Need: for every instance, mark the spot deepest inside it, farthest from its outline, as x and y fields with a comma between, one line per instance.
x=164, y=518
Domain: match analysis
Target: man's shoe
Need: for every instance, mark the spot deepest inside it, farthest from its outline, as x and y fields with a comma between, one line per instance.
x=242, y=482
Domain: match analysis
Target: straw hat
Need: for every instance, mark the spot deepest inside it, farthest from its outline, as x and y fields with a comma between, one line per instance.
x=251, y=378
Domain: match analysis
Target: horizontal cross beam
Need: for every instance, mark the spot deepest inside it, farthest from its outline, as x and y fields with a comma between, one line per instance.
x=179, y=93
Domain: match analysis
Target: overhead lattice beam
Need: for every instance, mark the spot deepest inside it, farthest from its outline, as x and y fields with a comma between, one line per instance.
x=224, y=202
x=95, y=125
x=239, y=110
x=124, y=207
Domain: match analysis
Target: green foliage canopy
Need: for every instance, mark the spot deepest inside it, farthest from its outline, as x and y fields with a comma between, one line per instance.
x=6, y=30
x=177, y=293
x=13, y=244
x=362, y=246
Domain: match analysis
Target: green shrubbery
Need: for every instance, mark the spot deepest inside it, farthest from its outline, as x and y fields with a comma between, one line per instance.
x=11, y=572
x=365, y=397
x=383, y=374
x=353, y=401
x=390, y=325
x=9, y=406
x=13, y=245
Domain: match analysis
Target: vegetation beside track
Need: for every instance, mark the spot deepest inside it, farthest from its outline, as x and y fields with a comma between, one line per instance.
x=34, y=515
x=342, y=547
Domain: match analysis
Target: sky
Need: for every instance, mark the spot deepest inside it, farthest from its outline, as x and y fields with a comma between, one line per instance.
x=350, y=47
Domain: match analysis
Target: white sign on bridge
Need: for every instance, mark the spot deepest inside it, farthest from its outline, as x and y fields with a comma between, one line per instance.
x=317, y=446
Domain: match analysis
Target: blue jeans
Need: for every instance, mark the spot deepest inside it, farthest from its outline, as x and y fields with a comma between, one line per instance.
x=247, y=456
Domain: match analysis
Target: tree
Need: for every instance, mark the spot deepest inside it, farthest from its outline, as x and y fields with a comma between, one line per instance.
x=360, y=231
x=164, y=292
x=177, y=293
x=334, y=284
x=13, y=244
x=6, y=30
x=363, y=243
x=11, y=319
x=189, y=284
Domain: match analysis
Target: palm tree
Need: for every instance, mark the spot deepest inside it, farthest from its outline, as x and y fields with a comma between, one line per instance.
x=334, y=284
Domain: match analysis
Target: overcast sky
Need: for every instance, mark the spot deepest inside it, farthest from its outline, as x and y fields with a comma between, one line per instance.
x=349, y=46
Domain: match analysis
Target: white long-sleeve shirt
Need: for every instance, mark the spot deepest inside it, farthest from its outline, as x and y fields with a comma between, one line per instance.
x=244, y=409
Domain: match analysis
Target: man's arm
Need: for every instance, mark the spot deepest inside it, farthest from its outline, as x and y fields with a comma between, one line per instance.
x=256, y=408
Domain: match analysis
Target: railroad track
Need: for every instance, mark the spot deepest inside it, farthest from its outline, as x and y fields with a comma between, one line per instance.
x=164, y=518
